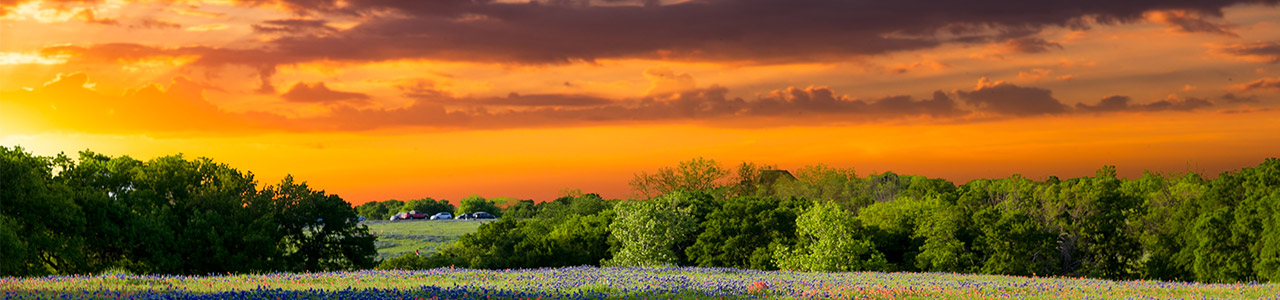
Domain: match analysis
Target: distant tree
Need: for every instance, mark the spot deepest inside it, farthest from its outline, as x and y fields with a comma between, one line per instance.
x=373, y=210
x=698, y=174
x=824, y=184
x=428, y=206
x=522, y=210
x=475, y=203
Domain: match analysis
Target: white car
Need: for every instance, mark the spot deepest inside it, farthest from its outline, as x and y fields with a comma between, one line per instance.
x=442, y=216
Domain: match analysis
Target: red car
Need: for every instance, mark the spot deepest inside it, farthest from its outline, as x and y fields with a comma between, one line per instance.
x=411, y=215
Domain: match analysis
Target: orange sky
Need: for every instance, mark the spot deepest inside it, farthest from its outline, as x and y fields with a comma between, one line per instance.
x=375, y=100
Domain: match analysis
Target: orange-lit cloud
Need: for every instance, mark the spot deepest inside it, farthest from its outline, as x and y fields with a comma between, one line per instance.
x=606, y=88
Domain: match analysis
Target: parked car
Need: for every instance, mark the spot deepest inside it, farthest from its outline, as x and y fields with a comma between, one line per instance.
x=413, y=214
x=442, y=216
x=465, y=217
x=483, y=215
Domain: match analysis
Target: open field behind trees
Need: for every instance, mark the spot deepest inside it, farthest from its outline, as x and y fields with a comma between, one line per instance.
x=615, y=283
x=397, y=238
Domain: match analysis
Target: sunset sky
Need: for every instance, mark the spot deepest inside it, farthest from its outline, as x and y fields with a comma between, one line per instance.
x=403, y=99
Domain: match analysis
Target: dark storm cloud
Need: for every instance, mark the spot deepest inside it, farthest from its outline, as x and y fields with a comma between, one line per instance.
x=1123, y=104
x=746, y=30
x=761, y=31
x=319, y=93
x=1009, y=99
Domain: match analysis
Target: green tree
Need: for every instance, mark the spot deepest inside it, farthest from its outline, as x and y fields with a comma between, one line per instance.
x=822, y=183
x=475, y=203
x=1168, y=212
x=894, y=226
x=42, y=226
x=698, y=174
x=744, y=231
x=945, y=248
x=428, y=206
x=648, y=231
x=831, y=241
x=320, y=231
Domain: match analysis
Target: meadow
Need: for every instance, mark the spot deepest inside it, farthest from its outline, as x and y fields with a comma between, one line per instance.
x=396, y=238
x=613, y=283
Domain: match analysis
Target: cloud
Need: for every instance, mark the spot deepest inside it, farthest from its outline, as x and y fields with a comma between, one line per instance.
x=205, y=56
x=427, y=93
x=1122, y=104
x=919, y=65
x=1232, y=98
x=1035, y=74
x=1031, y=45
x=754, y=31
x=1008, y=99
x=787, y=106
x=151, y=23
x=179, y=106
x=319, y=93
x=1263, y=51
x=294, y=26
x=664, y=81
x=1190, y=22
x=90, y=16
x=1260, y=84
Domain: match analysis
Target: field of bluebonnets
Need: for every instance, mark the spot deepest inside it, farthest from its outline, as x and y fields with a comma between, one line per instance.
x=613, y=283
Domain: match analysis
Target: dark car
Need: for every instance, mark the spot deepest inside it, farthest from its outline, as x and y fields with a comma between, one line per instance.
x=483, y=215
x=464, y=216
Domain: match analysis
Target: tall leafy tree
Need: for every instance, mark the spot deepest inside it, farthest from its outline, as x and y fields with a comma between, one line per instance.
x=41, y=227
x=699, y=174
x=744, y=231
x=319, y=230
x=832, y=240
x=648, y=231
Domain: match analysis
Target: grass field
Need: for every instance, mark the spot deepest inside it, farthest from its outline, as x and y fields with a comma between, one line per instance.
x=613, y=283
x=399, y=237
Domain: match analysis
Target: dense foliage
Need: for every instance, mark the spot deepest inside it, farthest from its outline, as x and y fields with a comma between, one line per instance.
x=1180, y=227
x=63, y=217
x=168, y=215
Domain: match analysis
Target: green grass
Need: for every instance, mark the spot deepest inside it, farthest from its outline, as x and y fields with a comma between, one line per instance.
x=398, y=237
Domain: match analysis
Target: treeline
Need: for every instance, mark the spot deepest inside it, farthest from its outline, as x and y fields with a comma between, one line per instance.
x=168, y=215
x=1180, y=227
x=383, y=210
x=177, y=216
